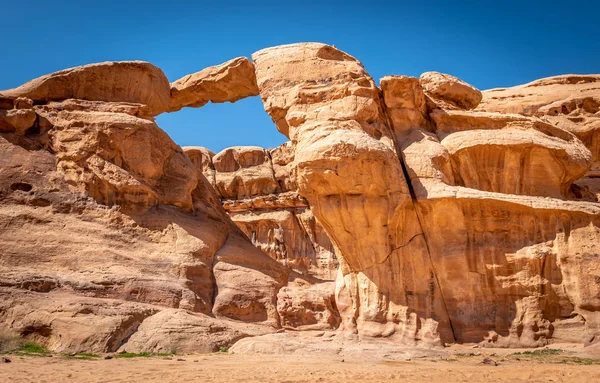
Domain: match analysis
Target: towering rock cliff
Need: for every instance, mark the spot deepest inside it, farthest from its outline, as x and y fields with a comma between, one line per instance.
x=491, y=191
x=455, y=215
x=348, y=170
x=451, y=224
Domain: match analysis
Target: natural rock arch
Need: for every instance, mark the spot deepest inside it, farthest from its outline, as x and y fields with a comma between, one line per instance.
x=436, y=241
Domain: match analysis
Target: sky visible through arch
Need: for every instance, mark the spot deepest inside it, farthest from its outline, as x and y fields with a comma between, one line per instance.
x=486, y=43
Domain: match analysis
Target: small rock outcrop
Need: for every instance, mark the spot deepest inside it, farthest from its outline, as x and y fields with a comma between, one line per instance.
x=244, y=172
x=570, y=102
x=450, y=90
x=125, y=81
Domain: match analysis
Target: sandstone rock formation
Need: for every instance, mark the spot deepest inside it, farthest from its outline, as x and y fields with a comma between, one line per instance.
x=106, y=223
x=305, y=304
x=451, y=225
x=571, y=102
x=454, y=218
x=258, y=190
x=244, y=172
x=228, y=82
x=451, y=90
x=126, y=81
x=348, y=170
x=70, y=259
x=202, y=160
x=481, y=232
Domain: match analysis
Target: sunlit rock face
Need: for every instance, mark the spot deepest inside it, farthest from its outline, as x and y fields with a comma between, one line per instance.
x=498, y=242
x=348, y=170
x=571, y=102
x=421, y=210
x=123, y=82
x=451, y=224
x=227, y=82
x=108, y=229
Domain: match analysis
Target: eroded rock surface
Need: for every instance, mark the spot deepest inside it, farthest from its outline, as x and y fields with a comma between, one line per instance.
x=449, y=224
x=436, y=210
x=348, y=170
x=258, y=190
x=124, y=81
x=106, y=223
x=451, y=90
x=571, y=102
x=228, y=82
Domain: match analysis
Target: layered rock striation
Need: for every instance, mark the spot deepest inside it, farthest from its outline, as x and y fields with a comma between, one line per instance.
x=455, y=215
x=110, y=232
x=452, y=225
x=571, y=102
x=258, y=190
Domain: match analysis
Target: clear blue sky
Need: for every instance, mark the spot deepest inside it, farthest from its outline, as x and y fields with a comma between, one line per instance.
x=487, y=43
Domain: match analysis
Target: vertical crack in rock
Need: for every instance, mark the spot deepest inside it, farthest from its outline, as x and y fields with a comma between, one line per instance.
x=348, y=168
x=415, y=202
x=215, y=289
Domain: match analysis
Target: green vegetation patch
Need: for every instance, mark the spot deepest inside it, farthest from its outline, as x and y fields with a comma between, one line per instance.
x=552, y=356
x=29, y=349
x=127, y=355
x=34, y=348
x=543, y=352
x=82, y=356
x=577, y=360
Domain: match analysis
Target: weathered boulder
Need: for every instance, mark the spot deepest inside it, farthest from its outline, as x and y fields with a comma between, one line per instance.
x=181, y=332
x=570, y=102
x=202, y=160
x=66, y=322
x=406, y=103
x=511, y=154
x=118, y=158
x=528, y=98
x=6, y=102
x=246, y=282
x=123, y=81
x=244, y=171
x=282, y=159
x=16, y=120
x=450, y=89
x=305, y=304
x=228, y=82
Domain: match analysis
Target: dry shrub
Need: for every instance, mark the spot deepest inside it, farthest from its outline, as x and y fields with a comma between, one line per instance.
x=9, y=341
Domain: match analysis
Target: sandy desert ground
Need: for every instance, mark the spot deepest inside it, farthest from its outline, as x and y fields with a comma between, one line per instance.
x=460, y=366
